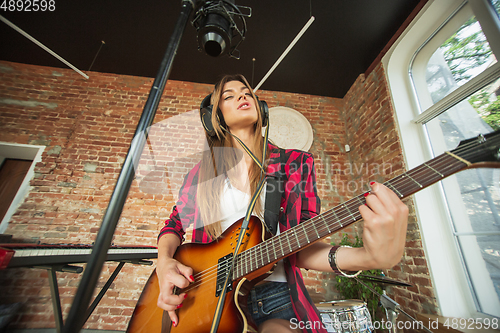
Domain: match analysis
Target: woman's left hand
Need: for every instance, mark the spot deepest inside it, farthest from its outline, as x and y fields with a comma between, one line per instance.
x=384, y=231
x=384, y=237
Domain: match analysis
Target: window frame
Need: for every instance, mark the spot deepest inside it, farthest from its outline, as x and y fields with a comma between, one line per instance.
x=24, y=152
x=450, y=280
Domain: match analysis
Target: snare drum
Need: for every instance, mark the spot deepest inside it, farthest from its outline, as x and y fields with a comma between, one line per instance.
x=349, y=316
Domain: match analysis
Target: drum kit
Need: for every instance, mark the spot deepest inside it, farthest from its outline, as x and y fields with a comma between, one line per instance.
x=345, y=316
x=352, y=316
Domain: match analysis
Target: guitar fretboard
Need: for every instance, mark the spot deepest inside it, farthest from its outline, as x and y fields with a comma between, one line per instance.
x=335, y=219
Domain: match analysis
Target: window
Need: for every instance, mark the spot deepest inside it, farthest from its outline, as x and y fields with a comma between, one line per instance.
x=450, y=54
x=12, y=174
x=459, y=59
x=496, y=5
x=23, y=158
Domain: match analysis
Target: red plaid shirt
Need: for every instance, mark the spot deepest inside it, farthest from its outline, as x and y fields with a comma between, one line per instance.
x=299, y=203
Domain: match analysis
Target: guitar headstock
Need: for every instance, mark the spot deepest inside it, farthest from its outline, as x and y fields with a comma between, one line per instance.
x=483, y=148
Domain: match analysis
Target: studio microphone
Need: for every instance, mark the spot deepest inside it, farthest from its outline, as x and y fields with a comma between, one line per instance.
x=217, y=31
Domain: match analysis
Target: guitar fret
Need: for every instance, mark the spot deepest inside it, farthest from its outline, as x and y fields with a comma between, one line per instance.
x=288, y=239
x=261, y=255
x=439, y=173
x=246, y=266
x=244, y=260
x=251, y=261
x=326, y=224
x=243, y=264
x=349, y=211
x=274, y=249
x=248, y=262
x=267, y=251
x=236, y=266
x=361, y=202
x=458, y=158
x=337, y=218
x=305, y=233
x=262, y=252
x=240, y=266
x=390, y=185
x=256, y=254
x=298, y=242
x=316, y=230
x=402, y=176
x=281, y=246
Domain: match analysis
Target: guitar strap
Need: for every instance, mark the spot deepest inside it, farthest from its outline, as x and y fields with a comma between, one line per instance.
x=274, y=193
x=244, y=225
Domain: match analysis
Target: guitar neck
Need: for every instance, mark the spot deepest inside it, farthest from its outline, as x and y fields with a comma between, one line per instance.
x=335, y=219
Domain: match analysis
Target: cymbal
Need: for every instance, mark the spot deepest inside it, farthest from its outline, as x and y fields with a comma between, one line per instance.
x=383, y=280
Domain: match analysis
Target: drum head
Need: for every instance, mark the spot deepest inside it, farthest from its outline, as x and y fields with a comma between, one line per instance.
x=340, y=304
x=345, y=316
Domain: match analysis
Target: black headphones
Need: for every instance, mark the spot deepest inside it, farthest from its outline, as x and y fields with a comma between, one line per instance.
x=206, y=114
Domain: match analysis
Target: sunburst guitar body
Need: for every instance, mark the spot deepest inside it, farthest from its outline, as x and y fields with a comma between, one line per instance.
x=197, y=311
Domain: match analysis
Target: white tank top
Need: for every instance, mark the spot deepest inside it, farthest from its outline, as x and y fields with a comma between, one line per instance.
x=234, y=204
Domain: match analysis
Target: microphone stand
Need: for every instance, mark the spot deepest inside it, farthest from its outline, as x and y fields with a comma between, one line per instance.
x=76, y=317
x=392, y=308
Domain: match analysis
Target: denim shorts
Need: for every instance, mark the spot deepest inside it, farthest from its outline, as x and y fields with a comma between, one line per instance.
x=269, y=301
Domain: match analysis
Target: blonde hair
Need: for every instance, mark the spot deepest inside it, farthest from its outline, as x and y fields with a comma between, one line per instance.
x=221, y=157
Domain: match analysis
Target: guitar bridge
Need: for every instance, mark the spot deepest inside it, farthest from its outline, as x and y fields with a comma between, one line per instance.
x=222, y=272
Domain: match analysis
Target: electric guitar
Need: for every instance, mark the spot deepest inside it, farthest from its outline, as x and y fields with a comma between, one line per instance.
x=259, y=252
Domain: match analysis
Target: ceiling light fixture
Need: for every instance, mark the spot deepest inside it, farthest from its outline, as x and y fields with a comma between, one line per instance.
x=217, y=32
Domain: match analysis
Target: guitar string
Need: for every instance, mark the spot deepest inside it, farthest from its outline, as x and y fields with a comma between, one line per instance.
x=422, y=168
x=309, y=226
x=349, y=204
x=402, y=182
x=305, y=226
x=209, y=270
x=404, y=178
x=411, y=180
x=413, y=184
x=407, y=178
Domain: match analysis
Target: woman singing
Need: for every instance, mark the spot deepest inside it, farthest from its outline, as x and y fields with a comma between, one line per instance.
x=217, y=191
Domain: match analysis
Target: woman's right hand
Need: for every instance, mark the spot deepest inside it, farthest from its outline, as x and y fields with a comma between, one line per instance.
x=172, y=273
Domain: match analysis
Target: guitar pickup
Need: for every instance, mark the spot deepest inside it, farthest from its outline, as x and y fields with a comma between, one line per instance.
x=222, y=272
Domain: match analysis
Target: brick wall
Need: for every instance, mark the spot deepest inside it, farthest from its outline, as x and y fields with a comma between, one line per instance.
x=87, y=126
x=376, y=155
